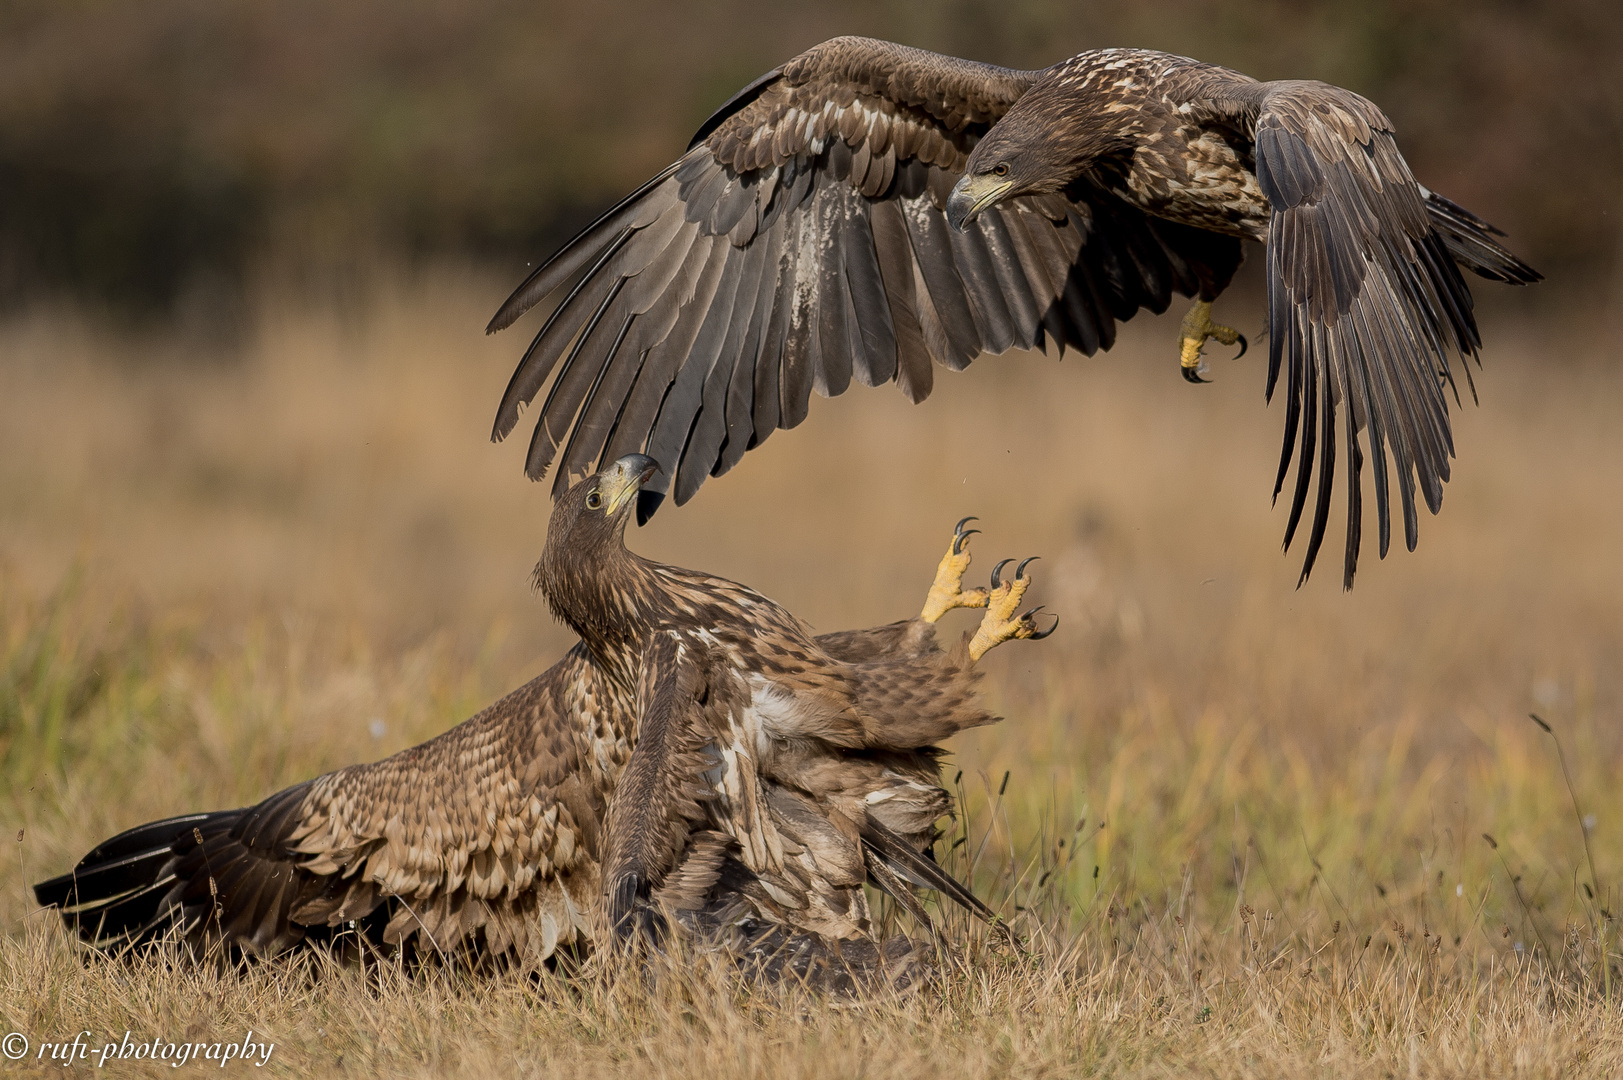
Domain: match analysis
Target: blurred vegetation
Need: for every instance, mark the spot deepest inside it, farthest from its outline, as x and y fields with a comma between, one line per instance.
x=85, y=680
x=154, y=154
x=54, y=685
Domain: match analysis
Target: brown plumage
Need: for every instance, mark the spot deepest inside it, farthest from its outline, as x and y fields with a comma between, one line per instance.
x=698, y=752
x=486, y=837
x=869, y=211
x=773, y=773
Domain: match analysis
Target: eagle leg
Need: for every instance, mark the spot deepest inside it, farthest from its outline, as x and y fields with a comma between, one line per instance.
x=948, y=590
x=1000, y=623
x=1197, y=327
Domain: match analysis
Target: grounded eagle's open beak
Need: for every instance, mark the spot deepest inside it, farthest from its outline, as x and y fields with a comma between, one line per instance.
x=972, y=194
x=624, y=479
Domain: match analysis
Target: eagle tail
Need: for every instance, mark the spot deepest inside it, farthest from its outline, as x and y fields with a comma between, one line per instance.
x=1471, y=241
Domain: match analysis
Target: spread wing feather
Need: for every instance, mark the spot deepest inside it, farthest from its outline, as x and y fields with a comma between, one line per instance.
x=491, y=827
x=801, y=244
x=1366, y=302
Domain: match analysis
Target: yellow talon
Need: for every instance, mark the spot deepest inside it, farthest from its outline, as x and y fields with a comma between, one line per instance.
x=1000, y=623
x=947, y=591
x=1197, y=327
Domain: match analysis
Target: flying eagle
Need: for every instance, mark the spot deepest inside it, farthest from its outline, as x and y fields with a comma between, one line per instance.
x=870, y=210
x=698, y=752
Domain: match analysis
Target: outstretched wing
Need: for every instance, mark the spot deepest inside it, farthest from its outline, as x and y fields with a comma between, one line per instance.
x=1366, y=304
x=486, y=835
x=802, y=242
x=489, y=831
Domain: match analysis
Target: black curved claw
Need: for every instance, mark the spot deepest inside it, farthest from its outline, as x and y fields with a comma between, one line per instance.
x=959, y=528
x=1244, y=345
x=1193, y=375
x=1020, y=571
x=960, y=539
x=1029, y=616
x=997, y=573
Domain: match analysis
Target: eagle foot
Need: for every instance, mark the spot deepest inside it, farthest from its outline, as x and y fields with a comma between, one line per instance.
x=947, y=592
x=1000, y=623
x=1197, y=327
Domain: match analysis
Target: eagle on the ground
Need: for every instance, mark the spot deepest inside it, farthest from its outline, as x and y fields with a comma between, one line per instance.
x=699, y=757
x=870, y=210
x=774, y=772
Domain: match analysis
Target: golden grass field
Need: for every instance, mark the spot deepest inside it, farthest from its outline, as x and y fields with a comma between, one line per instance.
x=1242, y=832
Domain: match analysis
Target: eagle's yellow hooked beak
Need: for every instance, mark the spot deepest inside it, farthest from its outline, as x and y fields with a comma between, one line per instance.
x=972, y=194
x=621, y=481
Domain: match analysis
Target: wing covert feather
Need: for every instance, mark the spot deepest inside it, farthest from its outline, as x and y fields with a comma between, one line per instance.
x=492, y=828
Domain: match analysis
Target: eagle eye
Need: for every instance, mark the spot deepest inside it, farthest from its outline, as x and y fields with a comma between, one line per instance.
x=1000, y=169
x=593, y=500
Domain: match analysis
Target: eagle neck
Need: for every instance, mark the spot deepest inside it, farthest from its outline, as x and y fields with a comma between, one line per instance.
x=608, y=597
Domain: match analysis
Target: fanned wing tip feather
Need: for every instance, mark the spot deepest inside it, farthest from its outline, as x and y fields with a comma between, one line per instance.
x=568, y=260
x=1471, y=241
x=127, y=888
x=1366, y=305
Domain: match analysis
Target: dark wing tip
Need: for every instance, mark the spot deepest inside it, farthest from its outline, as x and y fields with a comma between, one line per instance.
x=56, y=892
x=622, y=901
x=516, y=304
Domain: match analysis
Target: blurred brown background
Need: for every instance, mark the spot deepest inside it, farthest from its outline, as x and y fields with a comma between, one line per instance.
x=158, y=155
x=251, y=525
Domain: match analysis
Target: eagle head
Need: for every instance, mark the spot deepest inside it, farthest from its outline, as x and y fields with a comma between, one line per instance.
x=586, y=538
x=598, y=507
x=1044, y=142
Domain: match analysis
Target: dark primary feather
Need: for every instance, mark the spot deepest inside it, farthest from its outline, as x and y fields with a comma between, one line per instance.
x=116, y=889
x=1471, y=241
x=1366, y=303
x=908, y=862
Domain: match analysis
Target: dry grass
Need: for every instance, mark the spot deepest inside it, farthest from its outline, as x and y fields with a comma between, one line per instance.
x=1242, y=832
